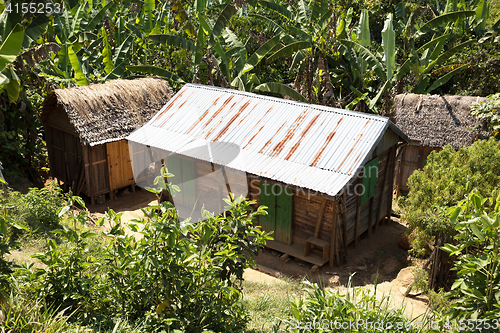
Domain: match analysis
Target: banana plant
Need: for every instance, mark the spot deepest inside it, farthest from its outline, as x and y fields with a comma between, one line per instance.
x=14, y=36
x=422, y=63
x=308, y=37
x=241, y=66
x=9, y=50
x=198, y=36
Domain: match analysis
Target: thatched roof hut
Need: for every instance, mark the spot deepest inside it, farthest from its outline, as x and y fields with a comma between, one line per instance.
x=85, y=128
x=435, y=121
x=109, y=112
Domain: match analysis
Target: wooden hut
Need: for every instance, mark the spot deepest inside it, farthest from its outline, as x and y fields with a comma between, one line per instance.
x=325, y=174
x=432, y=121
x=85, y=129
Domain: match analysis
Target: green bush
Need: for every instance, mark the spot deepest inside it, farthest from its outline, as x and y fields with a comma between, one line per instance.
x=446, y=179
x=179, y=275
x=476, y=292
x=358, y=310
x=41, y=206
x=489, y=112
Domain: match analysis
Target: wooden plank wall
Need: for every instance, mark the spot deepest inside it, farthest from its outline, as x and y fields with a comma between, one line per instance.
x=411, y=158
x=98, y=170
x=383, y=203
x=65, y=155
x=304, y=215
x=120, y=168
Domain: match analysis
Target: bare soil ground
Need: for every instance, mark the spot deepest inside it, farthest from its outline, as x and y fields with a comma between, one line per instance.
x=376, y=257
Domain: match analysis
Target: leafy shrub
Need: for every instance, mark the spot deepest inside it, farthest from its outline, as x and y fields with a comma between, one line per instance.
x=476, y=291
x=42, y=206
x=489, y=112
x=446, y=179
x=179, y=275
x=358, y=310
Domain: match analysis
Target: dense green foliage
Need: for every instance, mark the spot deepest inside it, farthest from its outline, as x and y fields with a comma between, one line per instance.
x=446, y=179
x=37, y=211
x=178, y=275
x=345, y=54
x=476, y=291
x=489, y=112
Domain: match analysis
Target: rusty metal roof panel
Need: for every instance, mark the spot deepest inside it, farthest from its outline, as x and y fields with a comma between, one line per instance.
x=311, y=146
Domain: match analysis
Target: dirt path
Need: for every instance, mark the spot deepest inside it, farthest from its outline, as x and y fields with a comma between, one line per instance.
x=374, y=257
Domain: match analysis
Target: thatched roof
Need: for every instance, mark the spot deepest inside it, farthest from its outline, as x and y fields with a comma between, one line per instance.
x=436, y=120
x=109, y=112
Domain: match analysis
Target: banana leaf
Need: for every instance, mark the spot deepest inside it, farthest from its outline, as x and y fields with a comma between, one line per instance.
x=281, y=10
x=389, y=46
x=280, y=89
x=11, y=46
x=37, y=26
x=80, y=78
x=97, y=18
x=303, y=14
x=318, y=9
x=445, y=19
x=260, y=54
x=149, y=7
x=77, y=19
x=274, y=27
x=122, y=51
x=288, y=50
x=445, y=78
x=367, y=56
x=223, y=19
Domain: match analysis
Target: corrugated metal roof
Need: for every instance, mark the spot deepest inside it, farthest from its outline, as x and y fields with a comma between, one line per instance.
x=311, y=146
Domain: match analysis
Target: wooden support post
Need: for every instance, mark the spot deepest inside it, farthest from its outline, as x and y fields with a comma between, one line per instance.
x=226, y=180
x=379, y=208
x=339, y=247
x=110, y=173
x=320, y=217
x=344, y=218
x=358, y=213
x=333, y=243
x=390, y=166
x=87, y=157
x=401, y=152
x=67, y=177
x=219, y=189
x=314, y=240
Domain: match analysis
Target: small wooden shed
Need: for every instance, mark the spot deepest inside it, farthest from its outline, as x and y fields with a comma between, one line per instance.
x=325, y=174
x=432, y=121
x=85, y=129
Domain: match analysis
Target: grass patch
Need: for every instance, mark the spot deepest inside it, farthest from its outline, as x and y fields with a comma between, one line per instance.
x=268, y=302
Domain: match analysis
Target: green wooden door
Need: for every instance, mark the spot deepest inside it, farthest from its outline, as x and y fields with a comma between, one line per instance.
x=279, y=201
x=266, y=198
x=284, y=215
